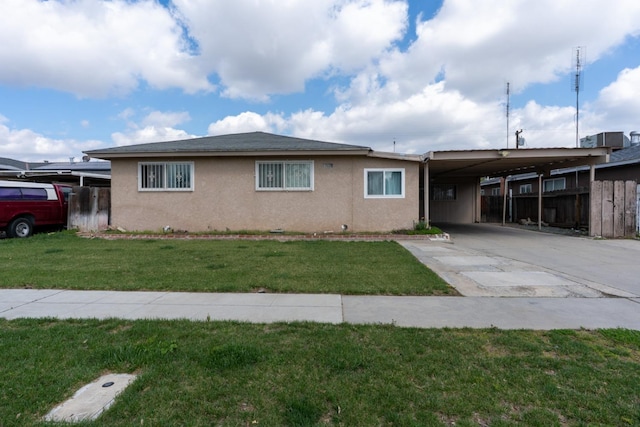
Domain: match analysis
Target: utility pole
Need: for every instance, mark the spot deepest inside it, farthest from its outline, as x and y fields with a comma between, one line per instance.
x=518, y=132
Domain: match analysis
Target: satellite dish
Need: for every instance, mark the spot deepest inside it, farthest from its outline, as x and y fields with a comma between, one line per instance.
x=521, y=141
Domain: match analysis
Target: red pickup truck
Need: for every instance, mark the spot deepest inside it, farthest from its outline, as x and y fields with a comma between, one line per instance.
x=26, y=205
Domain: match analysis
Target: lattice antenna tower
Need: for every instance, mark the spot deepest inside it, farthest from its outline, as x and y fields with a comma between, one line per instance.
x=578, y=61
x=507, y=110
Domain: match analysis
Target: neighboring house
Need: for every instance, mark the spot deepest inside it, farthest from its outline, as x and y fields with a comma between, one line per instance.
x=566, y=191
x=261, y=181
x=11, y=165
x=96, y=174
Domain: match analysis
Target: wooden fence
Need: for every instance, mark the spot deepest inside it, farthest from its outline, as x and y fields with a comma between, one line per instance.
x=89, y=208
x=613, y=209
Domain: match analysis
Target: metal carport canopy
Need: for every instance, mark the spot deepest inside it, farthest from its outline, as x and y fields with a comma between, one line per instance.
x=504, y=162
x=455, y=165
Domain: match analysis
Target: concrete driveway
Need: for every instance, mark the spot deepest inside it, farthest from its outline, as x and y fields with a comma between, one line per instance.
x=491, y=260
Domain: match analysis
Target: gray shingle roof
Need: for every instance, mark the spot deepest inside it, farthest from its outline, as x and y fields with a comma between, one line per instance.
x=11, y=164
x=240, y=142
x=625, y=155
x=98, y=167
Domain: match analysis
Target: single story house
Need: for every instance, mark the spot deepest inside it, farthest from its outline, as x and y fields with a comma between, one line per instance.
x=262, y=181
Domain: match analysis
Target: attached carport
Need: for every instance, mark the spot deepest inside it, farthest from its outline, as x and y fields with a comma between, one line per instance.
x=451, y=179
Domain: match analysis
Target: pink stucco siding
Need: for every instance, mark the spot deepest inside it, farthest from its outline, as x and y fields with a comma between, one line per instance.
x=225, y=197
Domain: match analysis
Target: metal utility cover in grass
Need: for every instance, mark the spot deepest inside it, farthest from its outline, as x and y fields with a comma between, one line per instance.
x=91, y=400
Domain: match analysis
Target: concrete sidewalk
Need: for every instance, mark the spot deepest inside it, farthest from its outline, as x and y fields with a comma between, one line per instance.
x=422, y=312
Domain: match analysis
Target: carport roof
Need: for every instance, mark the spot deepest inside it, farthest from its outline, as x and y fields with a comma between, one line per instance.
x=479, y=163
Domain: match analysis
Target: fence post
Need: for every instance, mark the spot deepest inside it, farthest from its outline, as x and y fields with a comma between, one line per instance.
x=630, y=207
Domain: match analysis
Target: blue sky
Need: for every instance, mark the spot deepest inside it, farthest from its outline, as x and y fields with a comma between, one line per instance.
x=431, y=75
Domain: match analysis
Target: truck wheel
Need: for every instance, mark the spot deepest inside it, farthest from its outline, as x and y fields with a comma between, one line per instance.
x=20, y=227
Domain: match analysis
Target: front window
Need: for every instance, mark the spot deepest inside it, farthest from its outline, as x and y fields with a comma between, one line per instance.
x=284, y=176
x=526, y=188
x=444, y=192
x=554, y=184
x=165, y=176
x=384, y=183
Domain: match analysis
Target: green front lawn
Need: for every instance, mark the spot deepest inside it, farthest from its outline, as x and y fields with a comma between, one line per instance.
x=63, y=260
x=232, y=374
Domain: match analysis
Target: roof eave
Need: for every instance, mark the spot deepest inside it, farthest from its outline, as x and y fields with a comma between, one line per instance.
x=396, y=156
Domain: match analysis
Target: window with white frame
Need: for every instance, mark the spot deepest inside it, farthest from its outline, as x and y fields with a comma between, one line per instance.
x=526, y=188
x=554, y=184
x=383, y=183
x=165, y=176
x=284, y=176
x=443, y=192
x=495, y=191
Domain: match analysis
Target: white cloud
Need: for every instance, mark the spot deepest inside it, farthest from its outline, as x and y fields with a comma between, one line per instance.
x=97, y=49
x=432, y=119
x=263, y=48
x=127, y=113
x=444, y=90
x=149, y=134
x=619, y=102
x=94, y=49
x=479, y=45
x=545, y=126
x=166, y=119
x=27, y=145
x=248, y=122
x=156, y=126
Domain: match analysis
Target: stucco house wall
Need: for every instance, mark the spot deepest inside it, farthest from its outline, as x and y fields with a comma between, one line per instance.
x=464, y=209
x=225, y=197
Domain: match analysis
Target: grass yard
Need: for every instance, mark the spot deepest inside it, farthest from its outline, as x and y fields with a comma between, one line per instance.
x=63, y=260
x=233, y=374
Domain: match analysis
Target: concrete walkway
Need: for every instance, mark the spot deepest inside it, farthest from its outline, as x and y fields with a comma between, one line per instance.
x=423, y=312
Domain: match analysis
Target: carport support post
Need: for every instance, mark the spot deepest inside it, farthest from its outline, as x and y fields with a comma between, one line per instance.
x=504, y=200
x=592, y=177
x=425, y=186
x=540, y=201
